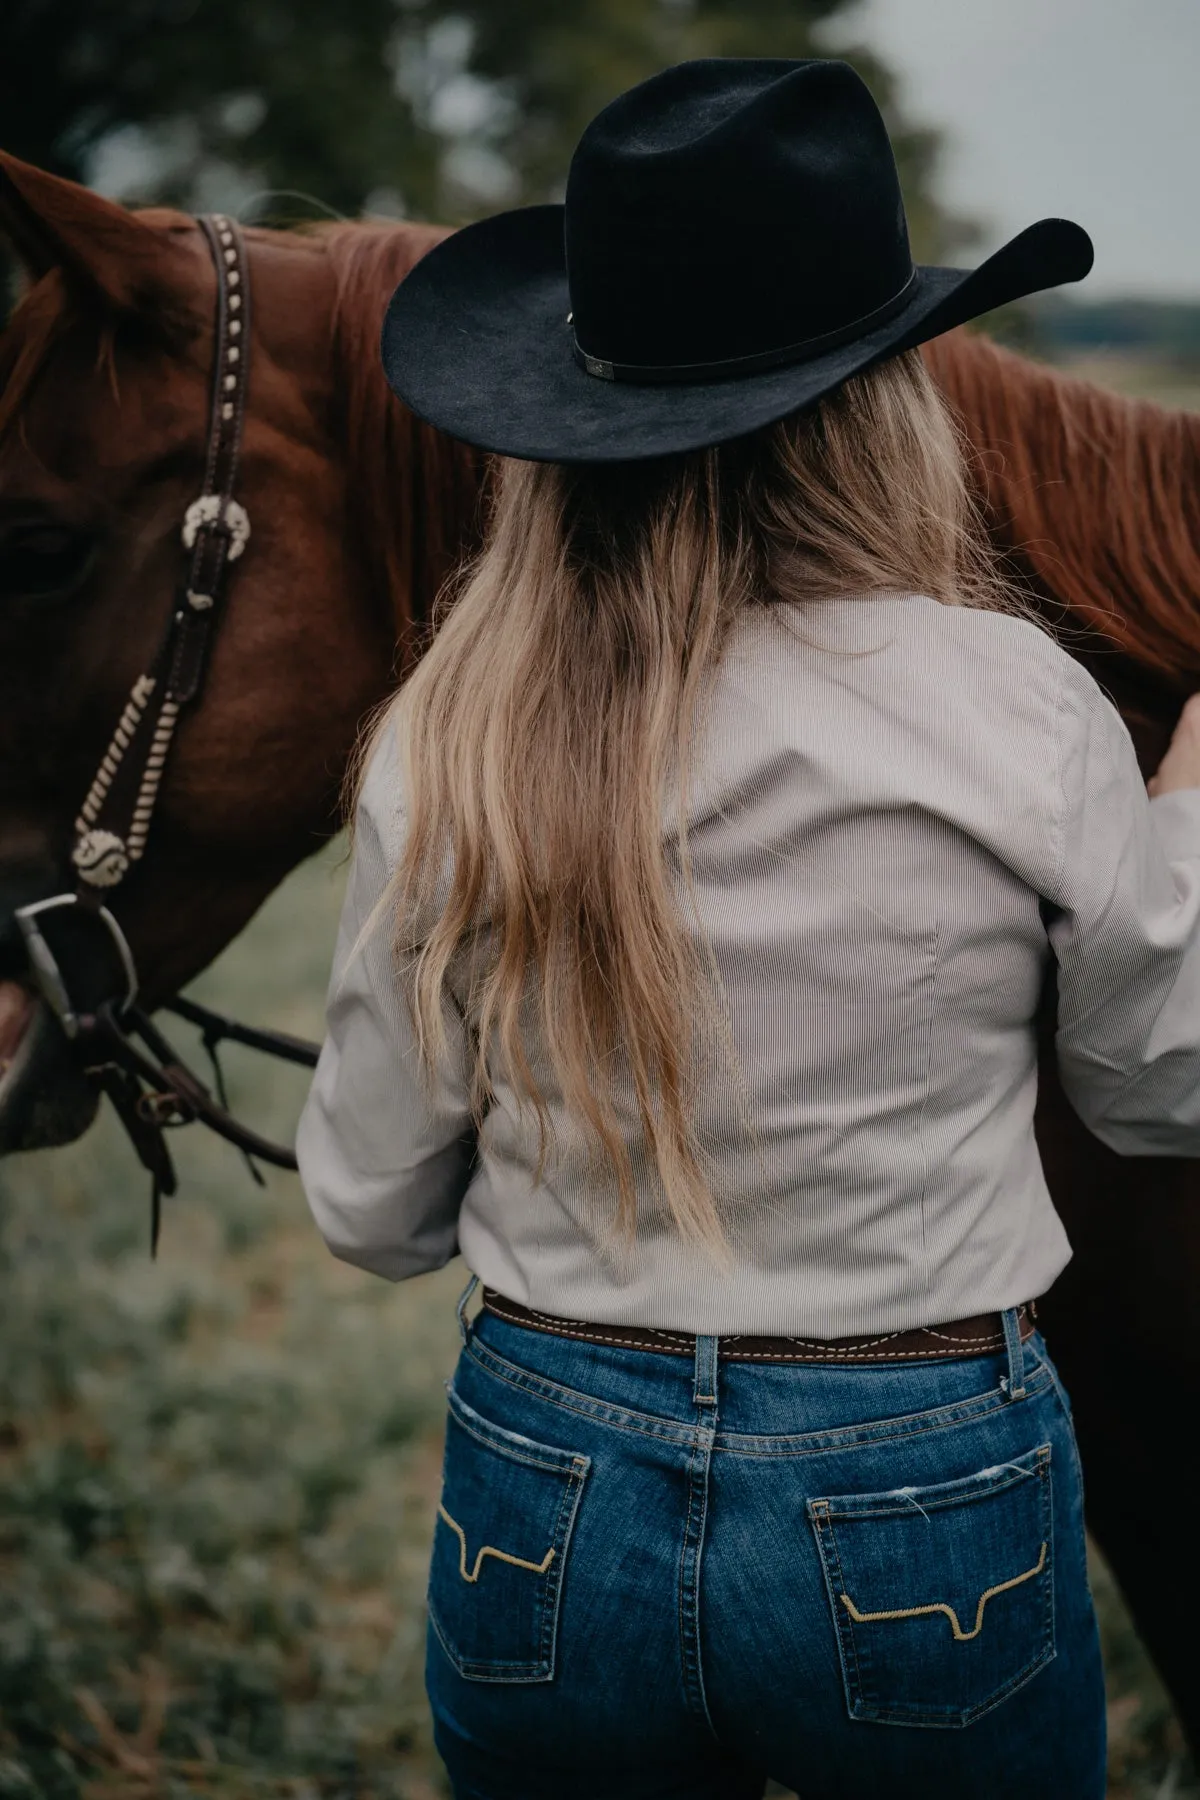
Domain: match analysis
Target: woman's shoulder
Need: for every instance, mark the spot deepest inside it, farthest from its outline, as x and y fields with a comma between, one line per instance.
x=1032, y=651
x=1019, y=635
x=924, y=673
x=1014, y=665
x=938, y=642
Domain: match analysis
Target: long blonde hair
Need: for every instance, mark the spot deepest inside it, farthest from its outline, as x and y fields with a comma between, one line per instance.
x=559, y=695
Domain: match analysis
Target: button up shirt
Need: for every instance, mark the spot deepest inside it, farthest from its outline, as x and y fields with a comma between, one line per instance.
x=900, y=812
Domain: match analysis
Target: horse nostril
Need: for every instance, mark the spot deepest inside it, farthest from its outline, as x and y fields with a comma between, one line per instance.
x=16, y=1010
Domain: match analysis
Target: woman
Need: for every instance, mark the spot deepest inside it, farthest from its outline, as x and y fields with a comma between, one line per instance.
x=707, y=873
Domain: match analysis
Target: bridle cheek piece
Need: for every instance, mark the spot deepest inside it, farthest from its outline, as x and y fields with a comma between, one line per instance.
x=148, y=1084
x=114, y=820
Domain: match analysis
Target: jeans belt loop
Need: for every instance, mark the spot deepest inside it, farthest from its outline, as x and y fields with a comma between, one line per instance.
x=464, y=1324
x=1014, y=1382
x=704, y=1387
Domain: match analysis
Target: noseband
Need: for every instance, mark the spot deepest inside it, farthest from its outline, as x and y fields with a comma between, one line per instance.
x=77, y=951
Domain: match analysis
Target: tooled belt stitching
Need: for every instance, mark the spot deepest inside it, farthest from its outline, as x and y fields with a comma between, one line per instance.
x=524, y=1315
x=799, y=1349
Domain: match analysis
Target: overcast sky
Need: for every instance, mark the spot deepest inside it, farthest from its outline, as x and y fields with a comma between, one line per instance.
x=1085, y=108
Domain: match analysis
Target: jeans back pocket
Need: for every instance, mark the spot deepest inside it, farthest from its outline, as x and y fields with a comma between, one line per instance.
x=942, y=1597
x=500, y=1544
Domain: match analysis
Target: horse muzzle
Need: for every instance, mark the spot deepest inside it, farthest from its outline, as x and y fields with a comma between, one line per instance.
x=45, y=1099
x=53, y=950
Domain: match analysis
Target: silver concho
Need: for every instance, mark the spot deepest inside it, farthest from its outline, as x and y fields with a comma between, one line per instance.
x=207, y=511
x=100, y=857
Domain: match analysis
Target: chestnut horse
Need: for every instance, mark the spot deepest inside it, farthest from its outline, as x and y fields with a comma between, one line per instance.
x=358, y=512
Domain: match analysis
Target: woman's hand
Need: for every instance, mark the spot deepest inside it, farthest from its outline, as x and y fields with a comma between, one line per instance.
x=1180, y=767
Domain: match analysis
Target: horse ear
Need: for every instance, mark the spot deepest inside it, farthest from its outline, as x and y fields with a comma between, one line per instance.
x=56, y=224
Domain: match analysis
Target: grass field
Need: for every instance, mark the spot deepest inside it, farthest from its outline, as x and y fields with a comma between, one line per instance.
x=218, y=1471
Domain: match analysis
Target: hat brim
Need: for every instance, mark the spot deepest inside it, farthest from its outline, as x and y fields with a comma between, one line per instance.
x=476, y=342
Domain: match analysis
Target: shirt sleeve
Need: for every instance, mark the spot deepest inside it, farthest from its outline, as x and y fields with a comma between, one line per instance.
x=384, y=1163
x=1126, y=938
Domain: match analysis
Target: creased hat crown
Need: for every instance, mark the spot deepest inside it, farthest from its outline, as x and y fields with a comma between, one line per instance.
x=725, y=210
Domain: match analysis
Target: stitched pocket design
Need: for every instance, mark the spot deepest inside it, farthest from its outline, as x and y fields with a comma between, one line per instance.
x=500, y=1546
x=942, y=1597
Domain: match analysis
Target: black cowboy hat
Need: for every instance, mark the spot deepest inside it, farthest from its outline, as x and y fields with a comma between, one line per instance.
x=733, y=246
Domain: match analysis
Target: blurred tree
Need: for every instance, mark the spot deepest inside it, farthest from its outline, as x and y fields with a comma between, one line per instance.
x=298, y=93
x=436, y=108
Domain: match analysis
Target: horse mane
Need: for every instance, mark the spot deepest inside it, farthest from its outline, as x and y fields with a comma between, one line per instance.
x=1094, y=497
x=416, y=492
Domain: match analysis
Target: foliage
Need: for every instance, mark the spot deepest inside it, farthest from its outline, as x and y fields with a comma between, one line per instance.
x=445, y=108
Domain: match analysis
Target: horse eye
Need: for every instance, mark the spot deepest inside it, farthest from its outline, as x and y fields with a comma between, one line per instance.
x=42, y=560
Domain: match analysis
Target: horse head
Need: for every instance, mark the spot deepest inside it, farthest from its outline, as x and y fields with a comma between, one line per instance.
x=105, y=371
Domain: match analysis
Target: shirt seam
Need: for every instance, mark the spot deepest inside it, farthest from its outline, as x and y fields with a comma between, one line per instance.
x=1059, y=844
x=934, y=1011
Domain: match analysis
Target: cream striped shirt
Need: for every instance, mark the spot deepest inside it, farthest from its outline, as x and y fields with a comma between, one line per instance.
x=888, y=848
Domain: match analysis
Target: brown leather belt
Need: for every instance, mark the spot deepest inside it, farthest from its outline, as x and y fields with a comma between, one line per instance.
x=980, y=1336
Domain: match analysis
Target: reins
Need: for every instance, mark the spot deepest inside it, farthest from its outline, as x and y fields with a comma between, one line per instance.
x=77, y=951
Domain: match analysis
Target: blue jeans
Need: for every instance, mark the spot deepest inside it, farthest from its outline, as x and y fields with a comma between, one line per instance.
x=659, y=1576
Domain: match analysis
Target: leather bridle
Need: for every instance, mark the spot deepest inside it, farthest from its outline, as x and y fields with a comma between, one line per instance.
x=78, y=954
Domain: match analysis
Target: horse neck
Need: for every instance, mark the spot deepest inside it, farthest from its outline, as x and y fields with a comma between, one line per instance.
x=1092, y=495
x=414, y=494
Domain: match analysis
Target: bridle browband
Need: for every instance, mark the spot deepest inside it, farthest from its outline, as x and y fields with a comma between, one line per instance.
x=121, y=1049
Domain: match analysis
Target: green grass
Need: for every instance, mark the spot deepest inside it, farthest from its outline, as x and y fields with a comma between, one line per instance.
x=218, y=1471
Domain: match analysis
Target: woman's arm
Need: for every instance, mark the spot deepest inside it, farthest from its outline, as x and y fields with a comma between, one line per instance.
x=1127, y=938
x=384, y=1165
